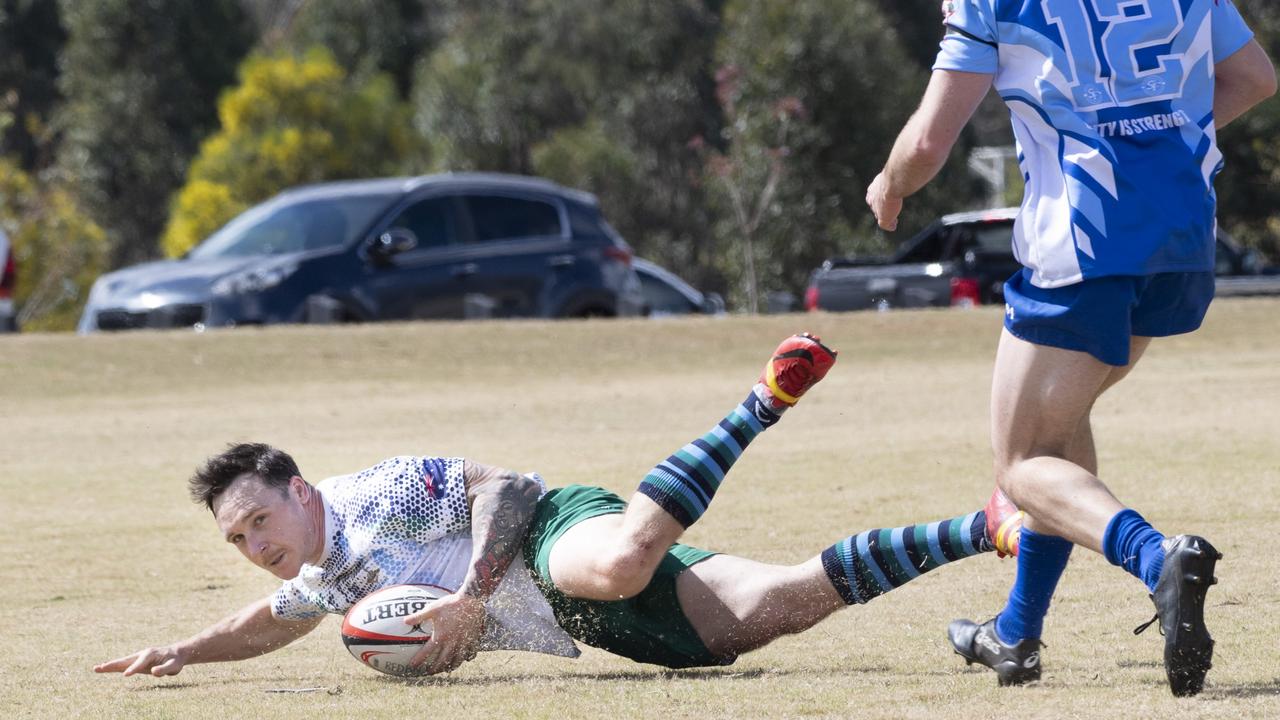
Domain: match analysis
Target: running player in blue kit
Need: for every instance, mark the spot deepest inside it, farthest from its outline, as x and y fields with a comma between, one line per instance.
x=1115, y=105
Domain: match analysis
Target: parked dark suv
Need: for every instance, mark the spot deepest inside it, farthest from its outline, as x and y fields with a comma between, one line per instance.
x=440, y=246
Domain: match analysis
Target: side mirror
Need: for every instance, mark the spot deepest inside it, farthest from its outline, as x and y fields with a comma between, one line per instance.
x=393, y=242
x=712, y=303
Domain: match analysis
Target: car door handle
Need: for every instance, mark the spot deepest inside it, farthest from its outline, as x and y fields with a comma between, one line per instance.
x=561, y=260
x=465, y=270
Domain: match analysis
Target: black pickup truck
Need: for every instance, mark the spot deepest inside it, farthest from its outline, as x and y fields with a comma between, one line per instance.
x=963, y=259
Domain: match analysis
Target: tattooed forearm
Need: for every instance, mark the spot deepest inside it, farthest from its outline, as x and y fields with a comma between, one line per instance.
x=501, y=511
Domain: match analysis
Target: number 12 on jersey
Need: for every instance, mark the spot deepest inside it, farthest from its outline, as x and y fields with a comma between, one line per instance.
x=1123, y=28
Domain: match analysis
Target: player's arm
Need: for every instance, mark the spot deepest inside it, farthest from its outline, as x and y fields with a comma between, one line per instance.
x=251, y=632
x=1242, y=80
x=924, y=144
x=502, y=504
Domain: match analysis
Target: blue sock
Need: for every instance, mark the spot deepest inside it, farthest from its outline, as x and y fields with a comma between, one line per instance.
x=1134, y=545
x=1041, y=561
x=874, y=562
x=685, y=483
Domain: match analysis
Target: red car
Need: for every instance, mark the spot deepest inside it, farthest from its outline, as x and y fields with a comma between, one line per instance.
x=8, y=283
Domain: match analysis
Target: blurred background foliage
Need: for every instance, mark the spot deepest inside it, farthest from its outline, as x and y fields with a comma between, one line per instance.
x=131, y=129
x=1249, y=186
x=140, y=82
x=55, y=274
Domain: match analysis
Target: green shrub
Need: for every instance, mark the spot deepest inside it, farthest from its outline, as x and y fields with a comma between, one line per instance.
x=58, y=249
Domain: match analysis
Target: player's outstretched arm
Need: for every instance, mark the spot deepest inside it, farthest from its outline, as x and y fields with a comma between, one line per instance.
x=924, y=144
x=502, y=504
x=248, y=633
x=1242, y=80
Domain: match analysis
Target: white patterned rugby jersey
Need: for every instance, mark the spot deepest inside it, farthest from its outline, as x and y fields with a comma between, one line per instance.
x=406, y=521
x=1112, y=107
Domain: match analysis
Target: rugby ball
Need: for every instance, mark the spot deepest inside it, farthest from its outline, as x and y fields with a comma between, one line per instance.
x=375, y=633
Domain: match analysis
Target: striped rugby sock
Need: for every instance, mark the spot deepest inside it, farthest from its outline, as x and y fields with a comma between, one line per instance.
x=685, y=483
x=874, y=562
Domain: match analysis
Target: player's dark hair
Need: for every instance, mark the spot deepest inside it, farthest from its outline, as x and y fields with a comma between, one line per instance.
x=273, y=466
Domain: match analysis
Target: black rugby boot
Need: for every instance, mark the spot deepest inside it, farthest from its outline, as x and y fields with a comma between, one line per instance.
x=1014, y=664
x=1184, y=581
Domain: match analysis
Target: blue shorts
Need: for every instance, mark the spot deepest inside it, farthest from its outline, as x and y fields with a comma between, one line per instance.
x=1100, y=315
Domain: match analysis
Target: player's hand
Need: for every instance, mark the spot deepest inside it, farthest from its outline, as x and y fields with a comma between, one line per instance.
x=885, y=206
x=157, y=661
x=457, y=622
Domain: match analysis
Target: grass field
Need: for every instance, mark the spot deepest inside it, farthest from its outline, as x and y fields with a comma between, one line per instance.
x=105, y=554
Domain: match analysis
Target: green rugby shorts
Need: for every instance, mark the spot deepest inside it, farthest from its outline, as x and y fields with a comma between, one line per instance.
x=650, y=627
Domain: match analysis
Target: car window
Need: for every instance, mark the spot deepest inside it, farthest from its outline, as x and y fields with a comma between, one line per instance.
x=928, y=248
x=432, y=221
x=285, y=226
x=993, y=238
x=582, y=222
x=495, y=217
x=661, y=298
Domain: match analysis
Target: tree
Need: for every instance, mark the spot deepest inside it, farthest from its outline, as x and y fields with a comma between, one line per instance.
x=366, y=37
x=1249, y=186
x=603, y=95
x=749, y=172
x=918, y=23
x=59, y=250
x=650, y=73
x=844, y=63
x=291, y=121
x=619, y=97
x=141, y=80
x=491, y=91
x=32, y=36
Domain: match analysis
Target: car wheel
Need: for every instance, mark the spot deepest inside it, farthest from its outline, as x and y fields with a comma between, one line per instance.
x=593, y=312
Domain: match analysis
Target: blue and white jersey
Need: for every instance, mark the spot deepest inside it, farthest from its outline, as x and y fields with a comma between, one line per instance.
x=1112, y=108
x=406, y=520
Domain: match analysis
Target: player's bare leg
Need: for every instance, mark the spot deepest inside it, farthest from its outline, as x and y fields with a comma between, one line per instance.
x=737, y=605
x=1046, y=462
x=592, y=561
x=1040, y=405
x=1080, y=450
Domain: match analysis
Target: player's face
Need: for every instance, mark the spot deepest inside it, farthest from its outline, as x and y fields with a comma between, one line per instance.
x=275, y=529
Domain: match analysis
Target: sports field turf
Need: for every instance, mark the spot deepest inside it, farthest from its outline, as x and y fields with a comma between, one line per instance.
x=104, y=553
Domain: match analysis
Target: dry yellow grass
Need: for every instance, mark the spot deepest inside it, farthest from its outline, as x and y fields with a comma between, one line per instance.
x=104, y=554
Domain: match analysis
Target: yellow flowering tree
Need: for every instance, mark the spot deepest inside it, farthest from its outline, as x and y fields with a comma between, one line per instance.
x=291, y=120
